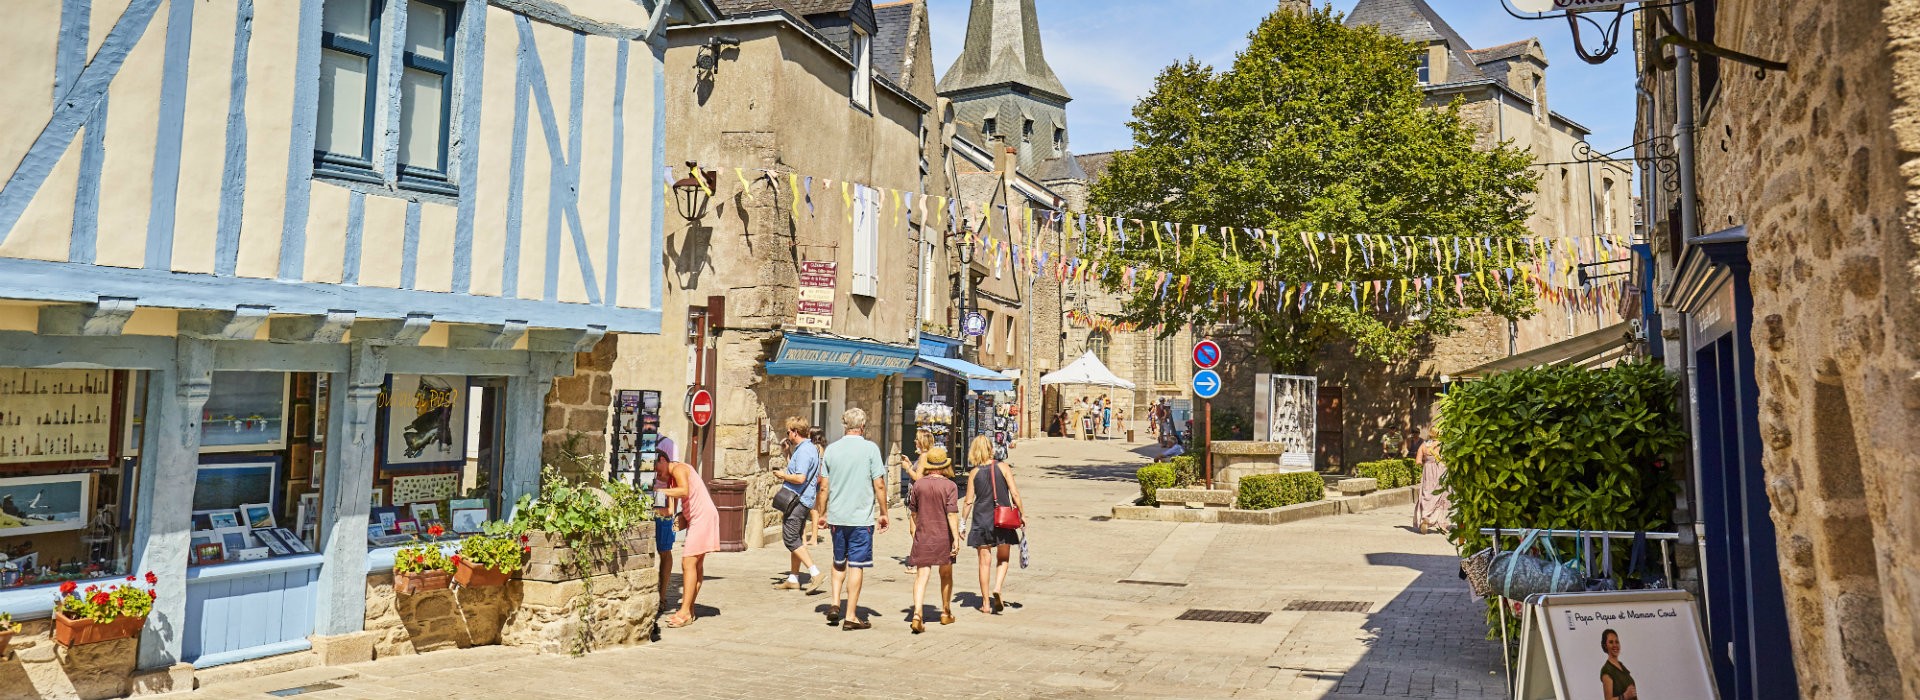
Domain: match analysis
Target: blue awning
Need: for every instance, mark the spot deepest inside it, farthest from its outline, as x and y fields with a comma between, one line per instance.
x=822, y=356
x=978, y=378
x=932, y=345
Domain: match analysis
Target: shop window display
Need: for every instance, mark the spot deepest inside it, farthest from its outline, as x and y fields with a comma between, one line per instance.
x=64, y=482
x=257, y=488
x=438, y=458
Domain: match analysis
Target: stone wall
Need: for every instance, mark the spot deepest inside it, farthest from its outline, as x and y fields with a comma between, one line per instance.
x=453, y=618
x=546, y=617
x=582, y=404
x=38, y=668
x=1817, y=162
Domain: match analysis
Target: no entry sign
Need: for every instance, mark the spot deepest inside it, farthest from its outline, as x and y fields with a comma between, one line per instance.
x=700, y=407
x=1206, y=354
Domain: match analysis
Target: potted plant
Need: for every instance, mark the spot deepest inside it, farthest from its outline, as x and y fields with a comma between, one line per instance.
x=490, y=558
x=8, y=628
x=96, y=614
x=419, y=567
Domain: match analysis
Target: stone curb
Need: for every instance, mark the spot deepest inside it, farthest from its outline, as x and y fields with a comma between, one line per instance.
x=1272, y=516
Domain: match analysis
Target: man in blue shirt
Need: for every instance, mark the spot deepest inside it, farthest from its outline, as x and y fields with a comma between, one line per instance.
x=853, y=495
x=802, y=478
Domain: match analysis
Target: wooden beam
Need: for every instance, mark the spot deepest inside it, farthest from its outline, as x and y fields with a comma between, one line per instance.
x=242, y=323
x=402, y=332
x=486, y=337
x=108, y=316
x=328, y=328
x=565, y=340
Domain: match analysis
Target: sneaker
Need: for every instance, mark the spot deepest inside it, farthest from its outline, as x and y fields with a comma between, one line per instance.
x=787, y=585
x=850, y=625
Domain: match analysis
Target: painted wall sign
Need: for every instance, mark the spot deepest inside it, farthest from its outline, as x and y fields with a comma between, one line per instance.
x=976, y=324
x=817, y=282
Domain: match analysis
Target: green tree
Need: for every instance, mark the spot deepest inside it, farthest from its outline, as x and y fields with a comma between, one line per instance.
x=1317, y=128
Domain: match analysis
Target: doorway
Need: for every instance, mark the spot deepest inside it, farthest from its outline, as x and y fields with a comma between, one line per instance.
x=1328, y=444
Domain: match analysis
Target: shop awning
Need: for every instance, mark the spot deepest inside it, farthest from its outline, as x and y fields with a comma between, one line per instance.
x=1086, y=371
x=977, y=378
x=1589, y=350
x=823, y=356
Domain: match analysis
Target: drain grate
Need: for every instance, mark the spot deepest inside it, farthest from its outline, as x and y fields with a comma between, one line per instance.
x=1152, y=583
x=1353, y=606
x=1249, y=617
x=302, y=690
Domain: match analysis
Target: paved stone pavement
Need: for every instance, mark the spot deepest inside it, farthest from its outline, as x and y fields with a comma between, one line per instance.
x=1075, y=630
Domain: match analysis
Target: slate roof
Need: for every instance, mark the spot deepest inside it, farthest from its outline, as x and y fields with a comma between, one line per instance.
x=890, y=42
x=1095, y=164
x=799, y=8
x=1057, y=168
x=1493, y=60
x=1002, y=46
x=1416, y=21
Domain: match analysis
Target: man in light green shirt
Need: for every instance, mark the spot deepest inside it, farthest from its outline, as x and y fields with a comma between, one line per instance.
x=854, y=463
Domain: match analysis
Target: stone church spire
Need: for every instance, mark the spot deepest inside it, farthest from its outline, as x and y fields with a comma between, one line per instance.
x=1002, y=48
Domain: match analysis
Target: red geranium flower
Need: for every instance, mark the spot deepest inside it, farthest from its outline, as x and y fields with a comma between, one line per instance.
x=152, y=579
x=129, y=577
x=91, y=589
x=101, y=599
x=435, y=530
x=523, y=539
x=455, y=559
x=67, y=588
x=153, y=593
x=418, y=559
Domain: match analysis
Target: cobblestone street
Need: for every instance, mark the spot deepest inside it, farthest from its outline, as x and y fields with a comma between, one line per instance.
x=1096, y=615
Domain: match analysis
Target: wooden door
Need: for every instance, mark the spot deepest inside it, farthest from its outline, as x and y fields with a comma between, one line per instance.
x=1329, y=446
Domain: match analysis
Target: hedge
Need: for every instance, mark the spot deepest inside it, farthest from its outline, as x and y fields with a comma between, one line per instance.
x=1263, y=491
x=1186, y=471
x=1154, y=477
x=1392, y=473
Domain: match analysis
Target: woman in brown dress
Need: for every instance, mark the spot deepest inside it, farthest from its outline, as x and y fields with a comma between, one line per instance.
x=935, y=503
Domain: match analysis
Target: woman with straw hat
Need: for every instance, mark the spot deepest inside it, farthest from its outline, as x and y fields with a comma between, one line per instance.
x=935, y=504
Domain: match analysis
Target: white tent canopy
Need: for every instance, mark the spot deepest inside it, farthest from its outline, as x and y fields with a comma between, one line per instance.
x=1086, y=371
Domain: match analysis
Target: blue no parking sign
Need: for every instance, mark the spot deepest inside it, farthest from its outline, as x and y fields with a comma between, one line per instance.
x=1206, y=384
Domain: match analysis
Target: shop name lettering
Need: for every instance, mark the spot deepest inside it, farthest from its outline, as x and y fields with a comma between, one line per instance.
x=1602, y=617
x=1589, y=4
x=850, y=358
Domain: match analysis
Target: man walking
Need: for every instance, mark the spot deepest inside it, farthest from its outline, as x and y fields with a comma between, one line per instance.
x=802, y=478
x=850, y=510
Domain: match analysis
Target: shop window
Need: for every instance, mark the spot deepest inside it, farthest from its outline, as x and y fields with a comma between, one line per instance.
x=256, y=492
x=438, y=458
x=66, y=476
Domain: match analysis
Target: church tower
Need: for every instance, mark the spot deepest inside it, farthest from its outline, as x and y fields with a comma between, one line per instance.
x=1002, y=86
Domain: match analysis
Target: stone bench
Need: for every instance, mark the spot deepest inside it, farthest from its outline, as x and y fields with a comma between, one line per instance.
x=1359, y=486
x=1196, y=498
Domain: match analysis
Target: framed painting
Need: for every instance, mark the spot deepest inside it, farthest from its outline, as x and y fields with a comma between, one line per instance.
x=225, y=483
x=55, y=415
x=303, y=421
x=245, y=411
x=423, y=423
x=33, y=504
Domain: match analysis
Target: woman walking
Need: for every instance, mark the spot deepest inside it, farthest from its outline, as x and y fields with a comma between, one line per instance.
x=992, y=486
x=936, y=524
x=1430, y=504
x=699, y=518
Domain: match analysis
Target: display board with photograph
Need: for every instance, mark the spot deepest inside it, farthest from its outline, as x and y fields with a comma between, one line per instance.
x=55, y=415
x=1583, y=646
x=636, y=435
x=423, y=422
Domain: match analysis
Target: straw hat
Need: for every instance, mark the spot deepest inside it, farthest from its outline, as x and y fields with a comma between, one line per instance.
x=937, y=457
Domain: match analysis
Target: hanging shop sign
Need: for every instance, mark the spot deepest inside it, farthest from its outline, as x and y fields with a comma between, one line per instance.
x=817, y=280
x=976, y=324
x=819, y=356
x=1589, y=646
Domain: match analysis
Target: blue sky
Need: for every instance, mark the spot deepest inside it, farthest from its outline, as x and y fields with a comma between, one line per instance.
x=1108, y=52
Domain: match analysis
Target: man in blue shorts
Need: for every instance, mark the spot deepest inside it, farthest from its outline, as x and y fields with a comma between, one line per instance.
x=854, y=464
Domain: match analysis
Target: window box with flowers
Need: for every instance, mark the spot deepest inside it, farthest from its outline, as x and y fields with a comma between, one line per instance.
x=421, y=566
x=102, y=614
x=490, y=558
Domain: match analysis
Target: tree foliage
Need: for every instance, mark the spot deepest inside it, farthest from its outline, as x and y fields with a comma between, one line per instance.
x=1317, y=128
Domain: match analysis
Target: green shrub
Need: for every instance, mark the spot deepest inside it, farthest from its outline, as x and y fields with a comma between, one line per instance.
x=1263, y=491
x=1186, y=471
x=1392, y=473
x=1154, y=477
x=1563, y=448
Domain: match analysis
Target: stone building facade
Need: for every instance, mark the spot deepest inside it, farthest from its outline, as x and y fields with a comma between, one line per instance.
x=1809, y=170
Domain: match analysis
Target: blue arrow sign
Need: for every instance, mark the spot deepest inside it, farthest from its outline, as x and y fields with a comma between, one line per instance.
x=1206, y=384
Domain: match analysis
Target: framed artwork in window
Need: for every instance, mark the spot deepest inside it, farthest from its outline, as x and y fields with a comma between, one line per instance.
x=227, y=482
x=34, y=504
x=423, y=423
x=245, y=411
x=55, y=415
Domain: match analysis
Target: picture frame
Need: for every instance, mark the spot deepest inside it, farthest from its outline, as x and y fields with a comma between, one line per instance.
x=66, y=415
x=303, y=387
x=202, y=522
x=425, y=511
x=407, y=527
x=256, y=516
x=209, y=553
x=245, y=411
x=223, y=519
x=388, y=517
x=299, y=464
x=379, y=496
x=235, y=539
x=424, y=422
x=253, y=554
x=469, y=521
x=302, y=421
x=272, y=542
x=293, y=541
x=54, y=503
x=318, y=468
x=308, y=513
x=226, y=481
x=390, y=540
x=193, y=548
x=374, y=532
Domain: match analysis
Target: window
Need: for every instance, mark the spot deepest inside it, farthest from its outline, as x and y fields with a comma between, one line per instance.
x=1026, y=132
x=818, y=404
x=866, y=241
x=989, y=125
x=928, y=295
x=350, y=29
x=1097, y=343
x=1539, y=94
x=1010, y=335
x=986, y=339
x=1606, y=206
x=1421, y=71
x=1164, y=358
x=64, y=501
x=426, y=90
x=1059, y=140
x=862, y=71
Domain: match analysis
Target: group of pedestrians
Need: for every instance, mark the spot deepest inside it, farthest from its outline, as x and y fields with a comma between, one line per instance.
x=841, y=488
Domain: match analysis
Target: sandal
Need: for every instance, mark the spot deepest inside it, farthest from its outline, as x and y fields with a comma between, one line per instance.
x=677, y=622
x=919, y=625
x=946, y=617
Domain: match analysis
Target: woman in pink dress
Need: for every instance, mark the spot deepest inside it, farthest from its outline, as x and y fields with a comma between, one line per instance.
x=1430, y=504
x=700, y=520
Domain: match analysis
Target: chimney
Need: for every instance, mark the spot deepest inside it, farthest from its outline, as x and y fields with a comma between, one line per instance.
x=1300, y=6
x=1008, y=161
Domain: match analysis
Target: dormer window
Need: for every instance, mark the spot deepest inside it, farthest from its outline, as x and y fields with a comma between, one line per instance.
x=989, y=125
x=1422, y=70
x=862, y=94
x=1059, y=140
x=1026, y=132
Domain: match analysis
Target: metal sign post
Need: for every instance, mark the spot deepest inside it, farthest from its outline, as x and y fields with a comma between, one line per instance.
x=1206, y=385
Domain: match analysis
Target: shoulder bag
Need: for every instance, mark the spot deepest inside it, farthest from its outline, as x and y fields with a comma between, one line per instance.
x=1519, y=573
x=786, y=500
x=1007, y=517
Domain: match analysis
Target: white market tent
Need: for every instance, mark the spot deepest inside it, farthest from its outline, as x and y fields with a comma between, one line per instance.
x=1087, y=371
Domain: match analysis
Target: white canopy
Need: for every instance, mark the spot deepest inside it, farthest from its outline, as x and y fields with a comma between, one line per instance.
x=1086, y=371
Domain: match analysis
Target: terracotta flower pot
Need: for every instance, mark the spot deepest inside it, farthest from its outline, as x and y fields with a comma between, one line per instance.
x=71, y=632
x=6, y=638
x=470, y=576
x=408, y=584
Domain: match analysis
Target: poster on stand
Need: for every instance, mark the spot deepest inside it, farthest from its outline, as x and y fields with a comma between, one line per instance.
x=425, y=423
x=1594, y=646
x=1285, y=411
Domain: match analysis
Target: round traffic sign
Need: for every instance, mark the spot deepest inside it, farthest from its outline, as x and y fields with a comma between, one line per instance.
x=700, y=407
x=1206, y=384
x=1206, y=354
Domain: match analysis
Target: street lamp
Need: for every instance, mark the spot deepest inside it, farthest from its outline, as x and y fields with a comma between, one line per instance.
x=691, y=194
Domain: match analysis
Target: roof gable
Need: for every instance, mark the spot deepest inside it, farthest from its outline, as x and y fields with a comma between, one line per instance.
x=1415, y=21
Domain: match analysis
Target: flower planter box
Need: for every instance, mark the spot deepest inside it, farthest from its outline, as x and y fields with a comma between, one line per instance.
x=70, y=632
x=409, y=584
x=6, y=638
x=550, y=556
x=470, y=576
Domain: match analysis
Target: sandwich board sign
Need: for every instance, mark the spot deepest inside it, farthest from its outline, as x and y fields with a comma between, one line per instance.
x=1575, y=646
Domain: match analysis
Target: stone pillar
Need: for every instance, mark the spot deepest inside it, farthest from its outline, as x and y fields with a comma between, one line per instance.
x=352, y=430
x=170, y=455
x=525, y=426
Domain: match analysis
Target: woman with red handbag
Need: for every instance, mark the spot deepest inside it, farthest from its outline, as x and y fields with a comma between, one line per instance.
x=994, y=500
